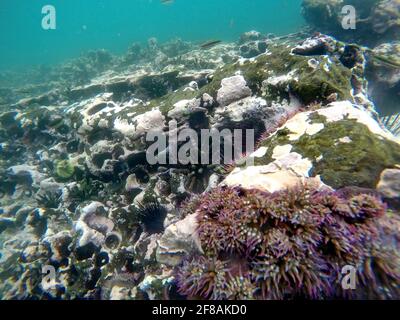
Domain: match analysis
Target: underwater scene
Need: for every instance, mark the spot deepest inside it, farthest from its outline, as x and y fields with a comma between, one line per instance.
x=200, y=150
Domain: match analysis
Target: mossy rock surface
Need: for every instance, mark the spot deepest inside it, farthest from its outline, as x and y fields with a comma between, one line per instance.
x=307, y=83
x=166, y=103
x=356, y=161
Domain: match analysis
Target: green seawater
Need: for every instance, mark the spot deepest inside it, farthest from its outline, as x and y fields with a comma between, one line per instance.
x=83, y=25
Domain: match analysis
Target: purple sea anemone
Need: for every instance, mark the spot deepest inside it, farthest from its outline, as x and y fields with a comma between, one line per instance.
x=292, y=244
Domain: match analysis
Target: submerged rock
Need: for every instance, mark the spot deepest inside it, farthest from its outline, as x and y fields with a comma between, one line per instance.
x=250, y=36
x=384, y=77
x=375, y=20
x=232, y=89
x=345, y=145
x=389, y=185
x=178, y=241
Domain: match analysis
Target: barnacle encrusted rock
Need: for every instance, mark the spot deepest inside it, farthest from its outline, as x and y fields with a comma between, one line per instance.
x=285, y=172
x=139, y=125
x=26, y=174
x=93, y=225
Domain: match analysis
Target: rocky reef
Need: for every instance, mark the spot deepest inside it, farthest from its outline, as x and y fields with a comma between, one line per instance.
x=376, y=20
x=320, y=193
x=376, y=31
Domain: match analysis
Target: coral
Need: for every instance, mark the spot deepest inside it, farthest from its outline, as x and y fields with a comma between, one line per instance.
x=291, y=244
x=189, y=206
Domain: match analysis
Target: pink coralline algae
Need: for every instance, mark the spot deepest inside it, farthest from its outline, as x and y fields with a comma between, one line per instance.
x=292, y=244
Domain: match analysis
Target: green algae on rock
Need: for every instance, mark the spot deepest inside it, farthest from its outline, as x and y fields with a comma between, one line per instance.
x=278, y=72
x=344, y=151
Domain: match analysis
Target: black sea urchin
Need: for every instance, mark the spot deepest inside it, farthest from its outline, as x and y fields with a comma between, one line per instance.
x=152, y=216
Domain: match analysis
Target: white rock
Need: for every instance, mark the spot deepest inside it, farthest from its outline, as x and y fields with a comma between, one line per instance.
x=27, y=172
x=178, y=241
x=119, y=293
x=300, y=124
x=88, y=235
x=389, y=184
x=139, y=125
x=183, y=109
x=233, y=89
x=288, y=170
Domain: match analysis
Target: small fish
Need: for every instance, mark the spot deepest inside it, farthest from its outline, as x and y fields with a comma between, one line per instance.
x=210, y=44
x=167, y=1
x=23, y=91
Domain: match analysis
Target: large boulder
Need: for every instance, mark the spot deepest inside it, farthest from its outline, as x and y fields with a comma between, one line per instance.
x=342, y=145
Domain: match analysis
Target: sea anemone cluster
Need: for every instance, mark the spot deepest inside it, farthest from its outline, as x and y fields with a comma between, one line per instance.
x=292, y=244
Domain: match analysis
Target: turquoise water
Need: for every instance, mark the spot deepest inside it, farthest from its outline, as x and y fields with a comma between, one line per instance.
x=115, y=24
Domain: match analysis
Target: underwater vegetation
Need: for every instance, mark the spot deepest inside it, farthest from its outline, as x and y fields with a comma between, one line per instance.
x=291, y=244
